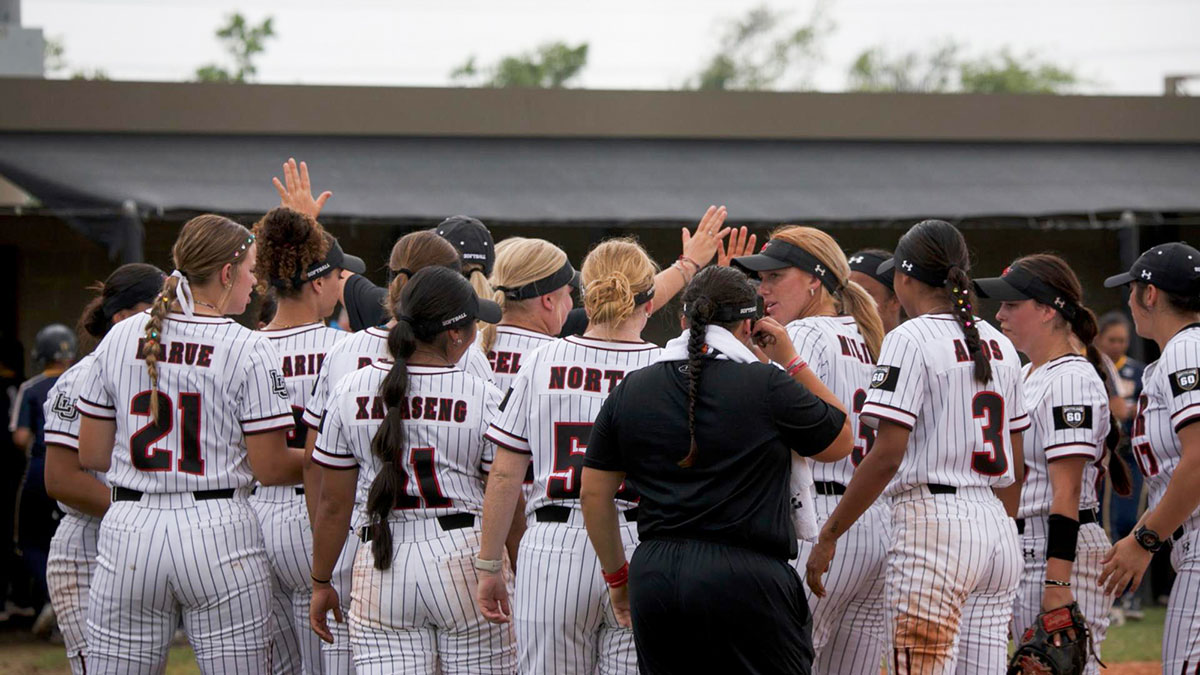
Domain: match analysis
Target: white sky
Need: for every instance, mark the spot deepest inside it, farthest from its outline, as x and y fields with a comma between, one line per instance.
x=1121, y=46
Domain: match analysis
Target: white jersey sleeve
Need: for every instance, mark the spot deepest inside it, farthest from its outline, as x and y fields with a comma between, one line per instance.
x=333, y=448
x=62, y=417
x=813, y=346
x=510, y=430
x=262, y=401
x=1018, y=418
x=491, y=411
x=898, y=383
x=1069, y=417
x=1181, y=362
x=95, y=397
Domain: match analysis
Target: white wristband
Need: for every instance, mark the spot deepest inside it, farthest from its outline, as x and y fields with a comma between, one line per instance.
x=492, y=566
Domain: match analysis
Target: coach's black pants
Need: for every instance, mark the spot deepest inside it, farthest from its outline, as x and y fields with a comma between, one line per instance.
x=700, y=607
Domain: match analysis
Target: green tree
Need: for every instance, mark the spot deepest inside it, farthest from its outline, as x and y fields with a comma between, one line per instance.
x=55, y=63
x=944, y=69
x=550, y=66
x=877, y=70
x=243, y=42
x=757, y=51
x=1004, y=73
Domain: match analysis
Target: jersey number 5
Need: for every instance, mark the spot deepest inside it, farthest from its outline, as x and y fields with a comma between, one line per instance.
x=1142, y=452
x=866, y=435
x=146, y=458
x=570, y=445
x=989, y=407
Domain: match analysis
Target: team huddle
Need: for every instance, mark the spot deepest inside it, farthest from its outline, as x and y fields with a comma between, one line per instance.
x=407, y=498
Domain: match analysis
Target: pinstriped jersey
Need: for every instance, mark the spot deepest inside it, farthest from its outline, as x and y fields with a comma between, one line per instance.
x=445, y=458
x=1068, y=414
x=62, y=418
x=960, y=428
x=835, y=350
x=550, y=409
x=303, y=350
x=1169, y=402
x=508, y=354
x=359, y=350
x=217, y=382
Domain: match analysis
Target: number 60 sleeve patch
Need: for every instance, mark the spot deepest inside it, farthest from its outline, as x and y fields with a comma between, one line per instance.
x=885, y=377
x=1183, y=381
x=1068, y=417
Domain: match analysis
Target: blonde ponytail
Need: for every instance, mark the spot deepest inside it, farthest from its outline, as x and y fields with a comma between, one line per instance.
x=613, y=274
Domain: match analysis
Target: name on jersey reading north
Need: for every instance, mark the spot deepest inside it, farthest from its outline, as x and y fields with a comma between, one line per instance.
x=425, y=408
x=583, y=378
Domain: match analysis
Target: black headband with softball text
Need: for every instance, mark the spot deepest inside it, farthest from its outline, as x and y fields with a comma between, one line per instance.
x=563, y=276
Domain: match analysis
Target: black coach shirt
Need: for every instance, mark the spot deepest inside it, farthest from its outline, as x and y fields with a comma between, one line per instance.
x=749, y=418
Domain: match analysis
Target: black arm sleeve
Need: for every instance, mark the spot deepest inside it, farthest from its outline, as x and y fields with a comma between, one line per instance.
x=576, y=323
x=364, y=302
x=604, y=448
x=806, y=424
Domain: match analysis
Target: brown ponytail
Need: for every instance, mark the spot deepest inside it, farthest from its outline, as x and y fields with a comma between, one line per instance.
x=962, y=298
x=412, y=253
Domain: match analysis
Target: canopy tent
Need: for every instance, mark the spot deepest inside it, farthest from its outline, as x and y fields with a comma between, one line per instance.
x=101, y=181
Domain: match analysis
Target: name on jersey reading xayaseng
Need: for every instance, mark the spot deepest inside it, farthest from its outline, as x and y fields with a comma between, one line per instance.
x=428, y=408
x=184, y=353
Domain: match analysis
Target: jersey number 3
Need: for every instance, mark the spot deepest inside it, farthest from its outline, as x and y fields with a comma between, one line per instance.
x=147, y=458
x=989, y=407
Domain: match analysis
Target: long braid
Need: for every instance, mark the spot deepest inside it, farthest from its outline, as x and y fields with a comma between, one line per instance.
x=699, y=315
x=962, y=299
x=152, y=344
x=388, y=444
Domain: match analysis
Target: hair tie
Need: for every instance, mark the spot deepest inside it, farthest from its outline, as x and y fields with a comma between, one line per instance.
x=405, y=318
x=183, y=293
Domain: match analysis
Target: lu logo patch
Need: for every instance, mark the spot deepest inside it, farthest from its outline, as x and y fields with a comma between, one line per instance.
x=277, y=385
x=64, y=407
x=1183, y=381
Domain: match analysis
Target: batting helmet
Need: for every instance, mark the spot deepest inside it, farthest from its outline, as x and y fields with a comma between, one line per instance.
x=55, y=342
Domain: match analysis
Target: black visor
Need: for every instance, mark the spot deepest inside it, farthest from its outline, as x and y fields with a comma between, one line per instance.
x=868, y=264
x=901, y=263
x=335, y=258
x=778, y=254
x=1018, y=284
x=565, y=275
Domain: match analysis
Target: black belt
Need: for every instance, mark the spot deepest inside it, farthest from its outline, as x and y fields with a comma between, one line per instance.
x=1085, y=518
x=454, y=521
x=829, y=488
x=935, y=488
x=561, y=514
x=121, y=494
x=1177, y=534
x=254, y=490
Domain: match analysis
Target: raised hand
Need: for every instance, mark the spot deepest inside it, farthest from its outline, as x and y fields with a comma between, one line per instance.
x=295, y=192
x=700, y=246
x=741, y=243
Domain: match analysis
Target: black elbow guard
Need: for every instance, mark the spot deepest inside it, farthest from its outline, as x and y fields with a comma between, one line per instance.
x=1062, y=537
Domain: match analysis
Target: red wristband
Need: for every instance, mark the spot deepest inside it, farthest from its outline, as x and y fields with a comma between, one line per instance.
x=617, y=579
x=794, y=366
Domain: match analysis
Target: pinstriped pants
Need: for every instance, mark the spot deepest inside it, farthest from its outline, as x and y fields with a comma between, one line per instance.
x=851, y=629
x=1181, y=635
x=69, y=578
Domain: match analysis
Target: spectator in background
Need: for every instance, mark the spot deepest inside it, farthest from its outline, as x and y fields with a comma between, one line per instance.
x=14, y=595
x=1123, y=512
x=38, y=514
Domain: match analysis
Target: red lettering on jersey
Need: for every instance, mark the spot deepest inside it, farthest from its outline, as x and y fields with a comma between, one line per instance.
x=206, y=352
x=460, y=411
x=997, y=353
x=416, y=408
x=614, y=378
x=558, y=377
x=445, y=408
x=287, y=368
x=189, y=353
x=960, y=351
x=431, y=408
x=140, y=348
x=591, y=381
x=300, y=368
x=362, y=402
x=378, y=410
x=516, y=362
x=364, y=361
x=320, y=362
x=575, y=377
x=854, y=349
x=175, y=353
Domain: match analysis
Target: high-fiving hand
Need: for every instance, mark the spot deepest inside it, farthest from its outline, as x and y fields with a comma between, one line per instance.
x=295, y=192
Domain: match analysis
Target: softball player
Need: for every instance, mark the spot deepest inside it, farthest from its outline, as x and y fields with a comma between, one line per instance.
x=947, y=396
x=83, y=495
x=402, y=442
x=1067, y=446
x=411, y=253
x=1165, y=302
x=833, y=324
x=184, y=409
x=864, y=269
x=303, y=264
x=563, y=618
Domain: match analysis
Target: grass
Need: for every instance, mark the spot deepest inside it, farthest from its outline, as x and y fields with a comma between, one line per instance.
x=22, y=655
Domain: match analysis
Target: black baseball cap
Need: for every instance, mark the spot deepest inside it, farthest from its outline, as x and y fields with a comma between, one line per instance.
x=778, y=254
x=1173, y=267
x=472, y=239
x=867, y=262
x=1017, y=283
x=335, y=257
x=463, y=307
